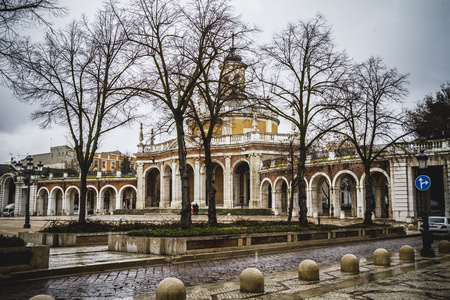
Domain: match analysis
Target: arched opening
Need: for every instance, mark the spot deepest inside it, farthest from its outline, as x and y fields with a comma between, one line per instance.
x=58, y=203
x=91, y=201
x=281, y=195
x=347, y=191
x=380, y=189
x=167, y=182
x=109, y=200
x=190, y=171
x=128, y=196
x=241, y=183
x=42, y=203
x=266, y=194
x=9, y=192
x=153, y=190
x=72, y=200
x=320, y=195
x=218, y=184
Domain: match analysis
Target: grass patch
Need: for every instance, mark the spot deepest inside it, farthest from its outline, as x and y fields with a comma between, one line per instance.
x=57, y=226
x=197, y=229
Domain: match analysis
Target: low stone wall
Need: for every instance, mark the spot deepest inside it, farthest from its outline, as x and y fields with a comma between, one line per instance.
x=192, y=245
x=65, y=239
x=17, y=259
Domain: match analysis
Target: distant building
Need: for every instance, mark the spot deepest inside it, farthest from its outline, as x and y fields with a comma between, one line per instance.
x=59, y=157
x=111, y=162
x=64, y=157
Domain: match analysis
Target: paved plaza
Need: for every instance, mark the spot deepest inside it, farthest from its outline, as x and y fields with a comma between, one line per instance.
x=218, y=278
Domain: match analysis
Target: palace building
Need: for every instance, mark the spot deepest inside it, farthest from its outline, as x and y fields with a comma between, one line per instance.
x=250, y=171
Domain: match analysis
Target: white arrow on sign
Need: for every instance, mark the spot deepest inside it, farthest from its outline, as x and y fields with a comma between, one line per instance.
x=423, y=182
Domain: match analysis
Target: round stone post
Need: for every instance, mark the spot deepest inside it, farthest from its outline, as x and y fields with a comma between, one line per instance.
x=444, y=246
x=350, y=264
x=381, y=257
x=42, y=297
x=251, y=281
x=171, y=289
x=406, y=253
x=308, y=270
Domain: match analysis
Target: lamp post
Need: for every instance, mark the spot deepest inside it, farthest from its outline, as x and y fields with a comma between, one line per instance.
x=26, y=173
x=422, y=183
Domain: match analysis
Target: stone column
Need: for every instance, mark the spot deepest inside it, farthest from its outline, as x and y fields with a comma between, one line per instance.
x=255, y=182
x=176, y=186
x=100, y=203
x=335, y=201
x=228, y=184
x=33, y=202
x=51, y=204
x=202, y=187
x=118, y=201
x=359, y=204
x=197, y=181
x=140, y=183
x=402, y=192
x=312, y=202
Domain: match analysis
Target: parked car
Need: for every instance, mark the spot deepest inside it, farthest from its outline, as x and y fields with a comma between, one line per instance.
x=439, y=226
x=8, y=211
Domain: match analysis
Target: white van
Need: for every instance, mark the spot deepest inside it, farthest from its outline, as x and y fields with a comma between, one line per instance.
x=8, y=211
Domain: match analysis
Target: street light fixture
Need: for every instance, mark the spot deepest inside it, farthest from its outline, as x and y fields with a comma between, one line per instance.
x=26, y=174
x=427, y=237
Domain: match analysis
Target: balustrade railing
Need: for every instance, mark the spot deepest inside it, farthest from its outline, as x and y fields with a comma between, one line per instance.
x=230, y=139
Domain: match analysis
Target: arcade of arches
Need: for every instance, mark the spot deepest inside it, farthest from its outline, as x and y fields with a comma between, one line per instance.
x=335, y=190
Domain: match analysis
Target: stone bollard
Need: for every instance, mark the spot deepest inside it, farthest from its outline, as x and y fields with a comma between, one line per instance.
x=171, y=289
x=42, y=297
x=411, y=227
x=308, y=270
x=381, y=257
x=251, y=281
x=444, y=246
x=406, y=253
x=350, y=263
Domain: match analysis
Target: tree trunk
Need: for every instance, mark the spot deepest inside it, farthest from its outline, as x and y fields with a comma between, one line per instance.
x=186, y=220
x=82, y=199
x=210, y=186
x=368, y=196
x=293, y=184
x=302, y=218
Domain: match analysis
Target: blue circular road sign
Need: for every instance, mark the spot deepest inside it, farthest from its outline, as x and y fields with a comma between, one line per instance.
x=423, y=182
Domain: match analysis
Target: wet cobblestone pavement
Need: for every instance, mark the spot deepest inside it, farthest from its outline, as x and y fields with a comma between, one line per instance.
x=143, y=281
x=81, y=256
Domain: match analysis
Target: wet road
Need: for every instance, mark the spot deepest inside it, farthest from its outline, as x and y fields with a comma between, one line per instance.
x=141, y=281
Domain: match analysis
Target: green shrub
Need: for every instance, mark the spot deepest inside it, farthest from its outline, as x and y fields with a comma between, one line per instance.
x=90, y=226
x=11, y=241
x=227, y=229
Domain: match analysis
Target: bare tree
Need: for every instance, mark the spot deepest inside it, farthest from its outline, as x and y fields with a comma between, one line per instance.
x=19, y=14
x=78, y=77
x=301, y=69
x=180, y=44
x=371, y=122
x=218, y=91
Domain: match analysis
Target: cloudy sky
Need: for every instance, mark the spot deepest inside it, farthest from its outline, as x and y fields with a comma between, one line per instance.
x=411, y=35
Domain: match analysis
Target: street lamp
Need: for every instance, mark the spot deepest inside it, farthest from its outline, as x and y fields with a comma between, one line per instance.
x=26, y=174
x=423, y=185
